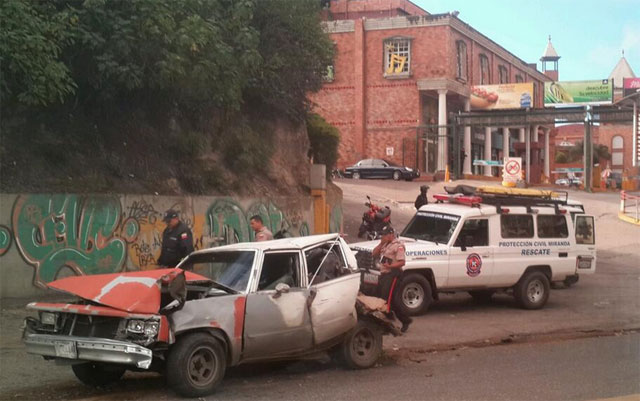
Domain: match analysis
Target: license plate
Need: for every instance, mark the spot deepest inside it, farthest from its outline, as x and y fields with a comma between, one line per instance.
x=584, y=264
x=370, y=278
x=66, y=349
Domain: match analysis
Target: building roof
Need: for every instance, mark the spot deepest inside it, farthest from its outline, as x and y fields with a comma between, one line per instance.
x=621, y=70
x=550, y=53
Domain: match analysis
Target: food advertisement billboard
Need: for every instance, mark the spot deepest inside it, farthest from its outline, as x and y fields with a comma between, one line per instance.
x=503, y=96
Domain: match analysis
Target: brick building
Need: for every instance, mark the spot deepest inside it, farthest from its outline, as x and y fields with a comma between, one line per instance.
x=399, y=68
x=618, y=138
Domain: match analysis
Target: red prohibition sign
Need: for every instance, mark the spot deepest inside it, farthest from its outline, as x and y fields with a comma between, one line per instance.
x=513, y=167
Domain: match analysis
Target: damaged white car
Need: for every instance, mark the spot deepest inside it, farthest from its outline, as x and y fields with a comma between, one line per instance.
x=221, y=307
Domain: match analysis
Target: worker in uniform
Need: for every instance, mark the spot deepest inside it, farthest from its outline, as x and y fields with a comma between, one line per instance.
x=177, y=240
x=422, y=200
x=262, y=232
x=392, y=258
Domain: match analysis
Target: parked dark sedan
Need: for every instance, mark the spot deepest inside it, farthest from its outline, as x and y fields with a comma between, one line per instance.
x=379, y=168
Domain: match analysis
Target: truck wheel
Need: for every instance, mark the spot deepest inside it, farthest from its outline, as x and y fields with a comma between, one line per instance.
x=415, y=294
x=482, y=296
x=97, y=374
x=532, y=291
x=397, y=175
x=363, y=346
x=196, y=365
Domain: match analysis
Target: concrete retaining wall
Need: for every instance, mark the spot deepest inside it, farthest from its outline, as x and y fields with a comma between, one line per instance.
x=47, y=236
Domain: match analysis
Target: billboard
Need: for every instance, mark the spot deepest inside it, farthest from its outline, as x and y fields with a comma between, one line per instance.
x=503, y=96
x=631, y=85
x=578, y=92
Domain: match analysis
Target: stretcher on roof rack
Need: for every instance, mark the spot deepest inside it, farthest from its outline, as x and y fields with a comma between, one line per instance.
x=500, y=196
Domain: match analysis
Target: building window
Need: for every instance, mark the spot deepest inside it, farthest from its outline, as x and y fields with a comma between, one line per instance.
x=519, y=78
x=329, y=74
x=503, y=74
x=397, y=57
x=617, y=142
x=485, y=71
x=461, y=48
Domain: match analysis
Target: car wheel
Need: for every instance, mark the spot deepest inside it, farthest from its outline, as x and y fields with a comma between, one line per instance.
x=397, y=175
x=363, y=345
x=415, y=294
x=532, y=291
x=356, y=176
x=196, y=365
x=97, y=374
x=482, y=296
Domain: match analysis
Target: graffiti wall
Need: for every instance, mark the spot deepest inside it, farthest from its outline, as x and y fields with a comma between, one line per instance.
x=47, y=236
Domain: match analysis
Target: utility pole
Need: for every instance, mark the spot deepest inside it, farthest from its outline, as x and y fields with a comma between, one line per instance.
x=588, y=150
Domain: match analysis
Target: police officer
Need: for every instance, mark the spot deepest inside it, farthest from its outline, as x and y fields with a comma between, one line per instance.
x=421, y=200
x=262, y=232
x=177, y=240
x=392, y=258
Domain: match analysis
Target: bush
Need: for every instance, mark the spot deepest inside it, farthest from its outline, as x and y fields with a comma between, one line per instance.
x=324, y=139
x=561, y=157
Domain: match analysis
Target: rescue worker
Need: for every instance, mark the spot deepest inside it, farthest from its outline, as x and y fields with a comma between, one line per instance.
x=392, y=258
x=262, y=232
x=177, y=240
x=422, y=200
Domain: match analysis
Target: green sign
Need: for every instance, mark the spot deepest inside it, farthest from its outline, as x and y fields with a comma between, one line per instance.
x=578, y=92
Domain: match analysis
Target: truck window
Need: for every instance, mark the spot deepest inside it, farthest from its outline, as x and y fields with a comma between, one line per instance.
x=584, y=230
x=429, y=226
x=231, y=269
x=552, y=226
x=475, y=232
x=516, y=226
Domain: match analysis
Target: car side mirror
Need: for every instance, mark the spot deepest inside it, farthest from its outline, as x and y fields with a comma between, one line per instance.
x=281, y=288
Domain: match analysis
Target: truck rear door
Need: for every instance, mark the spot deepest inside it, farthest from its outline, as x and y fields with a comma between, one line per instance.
x=585, y=233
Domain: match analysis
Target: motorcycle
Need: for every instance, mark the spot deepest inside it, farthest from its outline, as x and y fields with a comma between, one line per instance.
x=373, y=220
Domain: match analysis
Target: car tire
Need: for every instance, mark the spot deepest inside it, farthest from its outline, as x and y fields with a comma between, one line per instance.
x=96, y=374
x=356, y=176
x=397, y=175
x=415, y=294
x=482, y=296
x=362, y=347
x=532, y=291
x=196, y=365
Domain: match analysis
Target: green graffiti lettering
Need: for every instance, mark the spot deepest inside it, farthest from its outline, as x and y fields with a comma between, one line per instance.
x=57, y=231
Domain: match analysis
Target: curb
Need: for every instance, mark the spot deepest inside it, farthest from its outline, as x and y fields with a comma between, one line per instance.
x=628, y=219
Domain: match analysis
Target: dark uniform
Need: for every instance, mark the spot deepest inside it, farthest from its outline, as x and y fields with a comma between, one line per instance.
x=390, y=280
x=176, y=244
x=421, y=200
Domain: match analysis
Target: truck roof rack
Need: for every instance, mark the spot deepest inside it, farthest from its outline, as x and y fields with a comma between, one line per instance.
x=500, y=197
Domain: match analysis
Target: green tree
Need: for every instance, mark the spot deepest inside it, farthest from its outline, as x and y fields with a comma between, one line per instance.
x=32, y=36
x=324, y=139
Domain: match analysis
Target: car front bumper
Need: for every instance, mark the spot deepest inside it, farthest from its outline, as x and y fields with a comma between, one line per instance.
x=88, y=349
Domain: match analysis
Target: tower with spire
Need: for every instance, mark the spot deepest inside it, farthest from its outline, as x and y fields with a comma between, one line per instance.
x=621, y=71
x=550, y=56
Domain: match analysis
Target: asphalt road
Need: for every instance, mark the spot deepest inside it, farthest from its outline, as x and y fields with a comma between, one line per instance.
x=583, y=345
x=583, y=369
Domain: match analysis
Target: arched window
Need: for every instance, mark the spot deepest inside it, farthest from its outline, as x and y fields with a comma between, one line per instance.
x=617, y=142
x=461, y=48
x=485, y=70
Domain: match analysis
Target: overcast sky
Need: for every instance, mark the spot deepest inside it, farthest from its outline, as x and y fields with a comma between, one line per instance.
x=588, y=35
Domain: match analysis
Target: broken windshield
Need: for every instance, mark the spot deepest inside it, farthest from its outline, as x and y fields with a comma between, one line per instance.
x=231, y=269
x=434, y=227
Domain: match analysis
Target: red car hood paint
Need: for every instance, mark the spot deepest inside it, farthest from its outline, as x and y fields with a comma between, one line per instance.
x=131, y=292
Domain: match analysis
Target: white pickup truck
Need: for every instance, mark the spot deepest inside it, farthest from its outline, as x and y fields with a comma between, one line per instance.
x=487, y=242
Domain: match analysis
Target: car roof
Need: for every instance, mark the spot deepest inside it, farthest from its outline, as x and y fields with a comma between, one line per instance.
x=284, y=243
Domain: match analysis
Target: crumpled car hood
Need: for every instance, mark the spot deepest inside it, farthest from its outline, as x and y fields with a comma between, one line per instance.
x=138, y=292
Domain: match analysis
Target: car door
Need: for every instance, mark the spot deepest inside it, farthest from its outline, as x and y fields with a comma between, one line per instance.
x=585, y=235
x=471, y=256
x=380, y=169
x=334, y=288
x=367, y=170
x=277, y=323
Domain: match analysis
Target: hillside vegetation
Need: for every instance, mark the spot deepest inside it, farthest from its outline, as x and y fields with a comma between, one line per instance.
x=189, y=96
